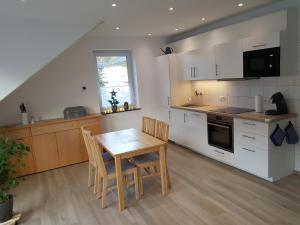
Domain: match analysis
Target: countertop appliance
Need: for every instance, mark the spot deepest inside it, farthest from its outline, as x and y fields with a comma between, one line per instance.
x=280, y=103
x=74, y=112
x=220, y=132
x=232, y=110
x=262, y=63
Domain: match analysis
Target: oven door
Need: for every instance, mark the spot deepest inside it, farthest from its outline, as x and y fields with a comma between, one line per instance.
x=220, y=136
x=262, y=63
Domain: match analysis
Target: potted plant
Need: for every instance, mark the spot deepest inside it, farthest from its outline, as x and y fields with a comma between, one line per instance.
x=113, y=101
x=11, y=158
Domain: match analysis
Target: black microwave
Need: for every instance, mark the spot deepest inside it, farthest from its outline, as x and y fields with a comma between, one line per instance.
x=262, y=63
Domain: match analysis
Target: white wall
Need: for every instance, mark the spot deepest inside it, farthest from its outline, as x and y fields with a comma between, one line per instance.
x=59, y=84
x=241, y=93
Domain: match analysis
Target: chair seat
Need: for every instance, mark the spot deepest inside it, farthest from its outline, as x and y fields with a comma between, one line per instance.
x=110, y=167
x=152, y=157
x=107, y=157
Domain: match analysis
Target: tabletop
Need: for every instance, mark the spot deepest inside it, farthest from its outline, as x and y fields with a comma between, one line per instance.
x=126, y=141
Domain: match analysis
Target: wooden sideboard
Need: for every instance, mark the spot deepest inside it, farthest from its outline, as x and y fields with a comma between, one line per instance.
x=53, y=143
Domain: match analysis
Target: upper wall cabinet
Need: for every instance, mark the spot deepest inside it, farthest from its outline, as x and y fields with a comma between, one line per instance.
x=267, y=40
x=199, y=64
x=229, y=60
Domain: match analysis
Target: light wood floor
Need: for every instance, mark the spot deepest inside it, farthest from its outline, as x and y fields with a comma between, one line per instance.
x=203, y=192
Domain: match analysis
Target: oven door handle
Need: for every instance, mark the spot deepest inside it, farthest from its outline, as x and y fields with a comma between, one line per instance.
x=218, y=125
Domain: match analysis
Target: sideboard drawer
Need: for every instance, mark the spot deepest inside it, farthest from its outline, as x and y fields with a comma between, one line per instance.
x=89, y=122
x=52, y=128
x=18, y=133
x=255, y=140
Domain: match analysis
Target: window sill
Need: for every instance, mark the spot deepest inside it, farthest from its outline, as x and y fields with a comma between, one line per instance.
x=123, y=111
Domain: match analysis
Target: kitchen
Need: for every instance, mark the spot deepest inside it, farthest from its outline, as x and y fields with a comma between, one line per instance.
x=231, y=155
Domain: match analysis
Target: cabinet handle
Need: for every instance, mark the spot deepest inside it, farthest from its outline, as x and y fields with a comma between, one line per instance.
x=250, y=124
x=169, y=112
x=246, y=136
x=219, y=152
x=249, y=150
x=184, y=120
x=191, y=72
x=256, y=46
x=194, y=72
x=217, y=70
x=168, y=100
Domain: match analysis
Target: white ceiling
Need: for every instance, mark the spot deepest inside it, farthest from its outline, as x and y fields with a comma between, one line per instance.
x=134, y=17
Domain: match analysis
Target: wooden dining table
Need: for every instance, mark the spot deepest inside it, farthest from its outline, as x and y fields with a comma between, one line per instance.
x=125, y=144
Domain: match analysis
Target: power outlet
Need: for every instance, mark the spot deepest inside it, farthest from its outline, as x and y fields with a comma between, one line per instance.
x=222, y=98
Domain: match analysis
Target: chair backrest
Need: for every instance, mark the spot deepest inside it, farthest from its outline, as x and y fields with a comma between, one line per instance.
x=162, y=130
x=97, y=153
x=85, y=134
x=148, y=125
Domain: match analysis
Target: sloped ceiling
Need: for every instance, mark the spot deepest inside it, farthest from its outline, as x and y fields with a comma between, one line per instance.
x=34, y=32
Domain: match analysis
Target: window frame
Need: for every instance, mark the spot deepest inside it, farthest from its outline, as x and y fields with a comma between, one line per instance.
x=130, y=70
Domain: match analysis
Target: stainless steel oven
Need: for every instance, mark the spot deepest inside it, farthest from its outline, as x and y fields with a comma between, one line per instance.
x=220, y=132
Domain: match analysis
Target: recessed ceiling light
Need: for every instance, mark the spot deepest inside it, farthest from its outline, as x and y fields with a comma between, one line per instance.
x=240, y=4
x=23, y=1
x=149, y=34
x=177, y=29
x=171, y=9
x=117, y=28
x=203, y=19
x=114, y=4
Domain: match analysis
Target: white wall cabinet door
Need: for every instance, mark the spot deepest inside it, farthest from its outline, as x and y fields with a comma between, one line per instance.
x=229, y=60
x=268, y=40
x=200, y=64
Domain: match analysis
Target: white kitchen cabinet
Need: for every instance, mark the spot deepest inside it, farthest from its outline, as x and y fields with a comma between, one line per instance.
x=267, y=40
x=199, y=64
x=229, y=60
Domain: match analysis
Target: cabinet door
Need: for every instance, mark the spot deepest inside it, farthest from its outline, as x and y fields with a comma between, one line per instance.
x=268, y=40
x=46, y=153
x=162, y=81
x=229, y=60
x=189, y=65
x=29, y=167
x=69, y=147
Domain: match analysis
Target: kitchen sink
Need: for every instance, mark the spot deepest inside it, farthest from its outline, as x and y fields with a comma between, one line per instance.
x=191, y=105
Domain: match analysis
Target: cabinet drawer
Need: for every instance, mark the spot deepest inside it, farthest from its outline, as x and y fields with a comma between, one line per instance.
x=17, y=134
x=269, y=40
x=89, y=122
x=252, y=160
x=255, y=140
x=52, y=128
x=250, y=126
x=197, y=119
x=221, y=155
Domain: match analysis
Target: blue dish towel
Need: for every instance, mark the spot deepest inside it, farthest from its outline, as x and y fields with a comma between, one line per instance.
x=277, y=136
x=291, y=134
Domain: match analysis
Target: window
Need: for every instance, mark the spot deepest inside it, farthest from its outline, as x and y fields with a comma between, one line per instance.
x=115, y=72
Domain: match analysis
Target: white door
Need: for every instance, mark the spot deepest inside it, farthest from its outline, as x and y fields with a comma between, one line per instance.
x=229, y=60
x=162, y=81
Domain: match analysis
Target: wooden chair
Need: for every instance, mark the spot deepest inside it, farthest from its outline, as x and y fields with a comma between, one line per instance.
x=150, y=162
x=106, y=172
x=148, y=125
x=92, y=164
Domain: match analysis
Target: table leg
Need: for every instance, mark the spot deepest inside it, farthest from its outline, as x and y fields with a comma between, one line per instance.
x=163, y=168
x=119, y=183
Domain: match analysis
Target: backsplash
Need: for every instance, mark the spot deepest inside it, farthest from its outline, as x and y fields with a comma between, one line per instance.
x=242, y=93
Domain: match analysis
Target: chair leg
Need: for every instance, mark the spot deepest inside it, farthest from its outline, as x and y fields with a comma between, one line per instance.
x=104, y=192
x=136, y=179
x=90, y=176
x=96, y=181
x=140, y=181
x=99, y=189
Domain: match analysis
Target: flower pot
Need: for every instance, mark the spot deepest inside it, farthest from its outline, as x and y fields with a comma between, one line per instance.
x=114, y=108
x=6, y=210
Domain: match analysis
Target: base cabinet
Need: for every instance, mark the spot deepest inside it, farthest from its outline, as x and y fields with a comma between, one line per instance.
x=54, y=144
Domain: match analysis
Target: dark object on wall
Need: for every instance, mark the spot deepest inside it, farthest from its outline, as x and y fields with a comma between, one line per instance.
x=126, y=106
x=6, y=210
x=83, y=88
x=74, y=112
x=291, y=134
x=277, y=136
x=168, y=50
x=281, y=106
